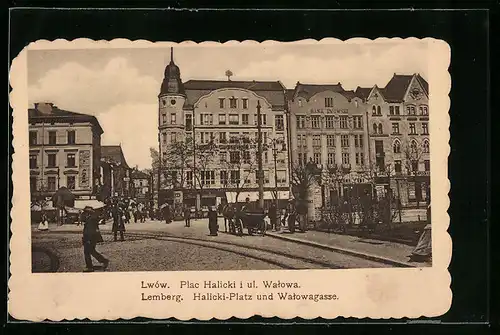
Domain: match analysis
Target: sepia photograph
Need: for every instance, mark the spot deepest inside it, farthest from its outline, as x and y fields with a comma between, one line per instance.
x=211, y=172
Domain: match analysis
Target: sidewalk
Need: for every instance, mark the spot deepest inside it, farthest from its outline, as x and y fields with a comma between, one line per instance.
x=381, y=251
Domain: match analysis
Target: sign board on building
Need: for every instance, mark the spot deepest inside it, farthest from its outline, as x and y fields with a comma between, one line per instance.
x=84, y=166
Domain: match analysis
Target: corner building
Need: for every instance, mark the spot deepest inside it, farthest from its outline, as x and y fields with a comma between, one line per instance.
x=398, y=117
x=220, y=113
x=328, y=127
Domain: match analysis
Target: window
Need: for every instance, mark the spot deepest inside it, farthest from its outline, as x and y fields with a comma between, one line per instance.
x=222, y=118
x=331, y=158
x=328, y=102
x=263, y=119
x=246, y=157
x=299, y=158
x=206, y=119
x=222, y=156
x=51, y=183
x=360, y=159
x=380, y=129
x=358, y=141
x=391, y=110
x=244, y=118
x=189, y=177
x=173, y=137
x=345, y=158
x=164, y=137
x=413, y=129
x=266, y=158
x=397, y=166
x=52, y=137
x=245, y=103
x=301, y=121
x=423, y=110
x=414, y=166
x=330, y=122
x=427, y=165
x=234, y=119
x=223, y=178
x=330, y=140
x=279, y=122
x=379, y=110
x=315, y=122
x=221, y=102
x=413, y=146
x=425, y=146
x=425, y=128
x=189, y=122
x=410, y=110
x=301, y=140
x=173, y=118
x=281, y=176
x=396, y=110
x=33, y=161
x=374, y=110
x=395, y=128
x=70, y=160
x=234, y=137
x=33, y=138
x=358, y=122
x=396, y=147
x=317, y=158
x=70, y=182
x=344, y=141
x=235, y=177
x=164, y=118
x=234, y=157
x=343, y=122
x=233, y=103
x=207, y=177
x=71, y=137
x=375, y=128
x=316, y=140
x=222, y=137
x=51, y=160
x=33, y=185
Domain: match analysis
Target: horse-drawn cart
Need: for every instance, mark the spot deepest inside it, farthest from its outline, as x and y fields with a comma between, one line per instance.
x=237, y=221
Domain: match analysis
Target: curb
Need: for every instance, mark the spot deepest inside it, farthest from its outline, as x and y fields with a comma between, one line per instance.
x=343, y=251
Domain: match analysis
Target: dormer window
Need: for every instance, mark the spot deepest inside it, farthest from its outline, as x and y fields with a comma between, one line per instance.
x=172, y=102
x=221, y=102
x=233, y=103
x=328, y=102
x=164, y=102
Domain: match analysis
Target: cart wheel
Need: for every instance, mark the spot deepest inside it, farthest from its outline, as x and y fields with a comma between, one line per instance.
x=250, y=231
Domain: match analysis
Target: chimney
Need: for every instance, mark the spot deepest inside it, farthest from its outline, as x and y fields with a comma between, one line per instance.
x=44, y=107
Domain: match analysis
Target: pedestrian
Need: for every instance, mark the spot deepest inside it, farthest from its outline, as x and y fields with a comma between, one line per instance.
x=44, y=223
x=166, y=213
x=273, y=216
x=187, y=216
x=213, y=227
x=118, y=222
x=92, y=236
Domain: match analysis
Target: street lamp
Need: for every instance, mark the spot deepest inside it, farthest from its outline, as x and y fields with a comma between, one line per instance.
x=275, y=156
x=259, y=156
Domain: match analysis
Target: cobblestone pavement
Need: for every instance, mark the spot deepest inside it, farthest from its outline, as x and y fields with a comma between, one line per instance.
x=156, y=246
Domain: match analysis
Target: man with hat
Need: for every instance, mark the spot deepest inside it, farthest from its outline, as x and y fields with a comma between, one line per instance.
x=91, y=236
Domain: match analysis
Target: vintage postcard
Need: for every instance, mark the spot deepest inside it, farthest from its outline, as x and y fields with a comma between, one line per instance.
x=219, y=180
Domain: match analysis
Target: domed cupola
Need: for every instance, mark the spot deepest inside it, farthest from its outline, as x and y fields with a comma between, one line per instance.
x=172, y=83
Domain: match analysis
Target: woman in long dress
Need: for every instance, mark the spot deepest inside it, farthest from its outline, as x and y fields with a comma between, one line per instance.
x=423, y=250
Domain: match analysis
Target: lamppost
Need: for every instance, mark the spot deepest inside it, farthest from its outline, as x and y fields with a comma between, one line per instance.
x=259, y=156
x=275, y=156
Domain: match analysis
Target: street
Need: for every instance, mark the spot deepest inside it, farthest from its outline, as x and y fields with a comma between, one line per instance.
x=157, y=246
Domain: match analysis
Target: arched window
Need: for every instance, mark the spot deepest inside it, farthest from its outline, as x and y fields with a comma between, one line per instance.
x=380, y=130
x=413, y=146
x=396, y=146
x=374, y=110
x=425, y=146
x=375, y=128
x=379, y=111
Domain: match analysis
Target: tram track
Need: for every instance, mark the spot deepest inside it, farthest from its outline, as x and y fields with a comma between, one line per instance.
x=267, y=255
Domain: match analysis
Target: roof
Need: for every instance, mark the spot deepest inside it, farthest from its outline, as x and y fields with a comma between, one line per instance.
x=136, y=174
x=363, y=92
x=308, y=90
x=50, y=113
x=272, y=91
x=396, y=87
x=114, y=153
x=289, y=94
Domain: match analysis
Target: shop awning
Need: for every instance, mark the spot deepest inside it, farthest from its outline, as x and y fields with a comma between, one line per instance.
x=254, y=196
x=95, y=204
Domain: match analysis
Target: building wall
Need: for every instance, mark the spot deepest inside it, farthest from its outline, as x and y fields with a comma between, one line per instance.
x=84, y=149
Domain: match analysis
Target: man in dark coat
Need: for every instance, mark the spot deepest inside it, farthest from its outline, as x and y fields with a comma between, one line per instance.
x=166, y=213
x=91, y=236
x=187, y=216
x=273, y=216
x=118, y=222
x=212, y=221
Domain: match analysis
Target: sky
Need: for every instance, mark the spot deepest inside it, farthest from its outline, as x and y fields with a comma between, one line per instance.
x=120, y=86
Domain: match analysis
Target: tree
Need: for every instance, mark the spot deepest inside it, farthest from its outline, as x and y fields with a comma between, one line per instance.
x=241, y=164
x=203, y=157
x=412, y=152
x=303, y=176
x=177, y=161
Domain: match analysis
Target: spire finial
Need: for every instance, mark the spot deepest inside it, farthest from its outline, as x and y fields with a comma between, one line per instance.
x=172, y=54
